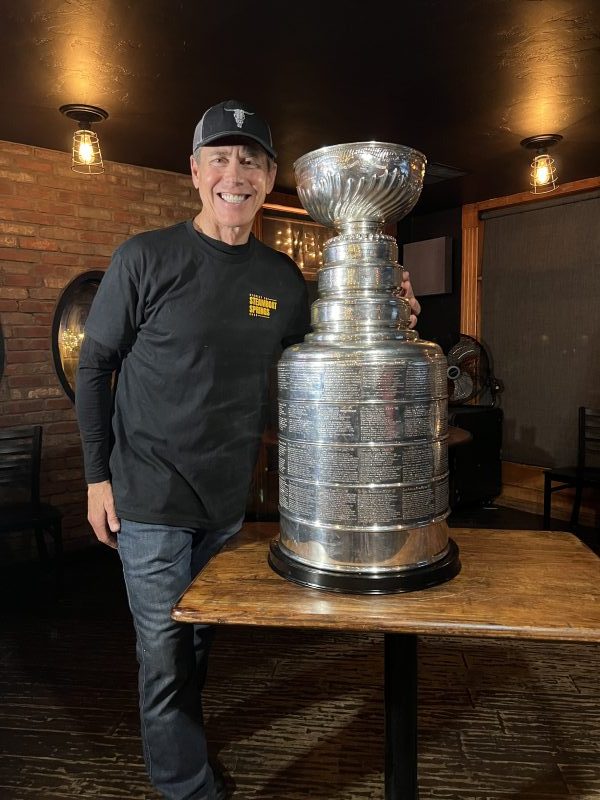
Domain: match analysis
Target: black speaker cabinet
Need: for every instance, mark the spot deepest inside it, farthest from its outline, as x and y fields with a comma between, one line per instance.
x=476, y=467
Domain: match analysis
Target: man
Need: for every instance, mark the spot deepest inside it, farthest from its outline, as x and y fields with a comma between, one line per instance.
x=173, y=316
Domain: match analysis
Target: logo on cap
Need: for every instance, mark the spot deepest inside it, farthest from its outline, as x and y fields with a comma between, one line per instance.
x=239, y=115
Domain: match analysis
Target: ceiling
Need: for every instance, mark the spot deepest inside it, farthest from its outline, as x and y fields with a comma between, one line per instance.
x=461, y=80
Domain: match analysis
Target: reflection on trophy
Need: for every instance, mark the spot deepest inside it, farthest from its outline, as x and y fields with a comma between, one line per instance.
x=363, y=459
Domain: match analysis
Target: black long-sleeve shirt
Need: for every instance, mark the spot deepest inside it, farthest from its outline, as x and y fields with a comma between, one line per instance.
x=193, y=326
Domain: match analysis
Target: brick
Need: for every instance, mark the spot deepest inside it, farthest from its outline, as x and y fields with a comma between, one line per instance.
x=83, y=248
x=174, y=214
x=13, y=293
x=26, y=356
x=14, y=227
x=53, y=206
x=30, y=215
x=94, y=213
x=126, y=216
x=63, y=450
x=64, y=475
x=76, y=223
x=146, y=185
x=13, y=175
x=36, y=305
x=58, y=232
x=97, y=262
x=33, y=195
x=39, y=368
x=15, y=268
x=51, y=181
x=59, y=403
x=25, y=406
x=62, y=427
x=126, y=194
x=55, y=282
x=126, y=169
x=15, y=147
x=44, y=293
x=28, y=331
x=37, y=244
x=29, y=382
x=72, y=196
x=41, y=319
x=45, y=391
x=145, y=208
x=14, y=254
x=18, y=319
x=97, y=237
x=26, y=280
x=32, y=164
x=59, y=259
x=174, y=189
x=112, y=227
x=8, y=241
x=8, y=305
x=6, y=187
x=161, y=200
x=15, y=343
x=52, y=155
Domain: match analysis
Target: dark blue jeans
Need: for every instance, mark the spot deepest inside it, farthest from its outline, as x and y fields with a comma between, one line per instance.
x=159, y=562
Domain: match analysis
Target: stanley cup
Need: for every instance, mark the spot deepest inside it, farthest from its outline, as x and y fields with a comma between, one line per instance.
x=363, y=458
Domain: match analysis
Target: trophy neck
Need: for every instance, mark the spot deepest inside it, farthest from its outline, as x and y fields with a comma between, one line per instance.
x=360, y=227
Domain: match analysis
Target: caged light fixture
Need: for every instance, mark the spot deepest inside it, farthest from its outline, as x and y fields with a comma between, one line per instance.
x=543, y=175
x=87, y=157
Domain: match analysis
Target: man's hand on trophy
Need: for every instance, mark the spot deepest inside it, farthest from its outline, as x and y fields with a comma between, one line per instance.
x=406, y=290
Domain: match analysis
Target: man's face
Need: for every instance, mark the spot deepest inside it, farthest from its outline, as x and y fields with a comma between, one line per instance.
x=233, y=181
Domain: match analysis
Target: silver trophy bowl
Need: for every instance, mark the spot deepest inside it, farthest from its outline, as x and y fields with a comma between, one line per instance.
x=361, y=182
x=363, y=458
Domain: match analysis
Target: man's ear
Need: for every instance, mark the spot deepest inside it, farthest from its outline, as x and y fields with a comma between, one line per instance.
x=271, y=177
x=194, y=171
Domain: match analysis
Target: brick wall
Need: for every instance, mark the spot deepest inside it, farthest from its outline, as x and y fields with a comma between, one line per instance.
x=54, y=225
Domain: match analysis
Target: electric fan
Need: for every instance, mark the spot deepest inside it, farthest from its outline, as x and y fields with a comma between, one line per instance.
x=469, y=372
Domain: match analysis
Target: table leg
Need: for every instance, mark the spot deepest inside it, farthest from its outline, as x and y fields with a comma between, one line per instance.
x=401, y=717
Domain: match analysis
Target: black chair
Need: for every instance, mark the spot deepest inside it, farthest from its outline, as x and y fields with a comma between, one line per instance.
x=587, y=471
x=20, y=506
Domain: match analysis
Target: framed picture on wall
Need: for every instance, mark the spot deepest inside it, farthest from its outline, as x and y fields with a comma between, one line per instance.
x=293, y=232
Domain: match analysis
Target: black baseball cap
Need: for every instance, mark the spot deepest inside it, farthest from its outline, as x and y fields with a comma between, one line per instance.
x=232, y=118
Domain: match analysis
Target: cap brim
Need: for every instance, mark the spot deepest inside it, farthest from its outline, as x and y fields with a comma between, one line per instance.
x=237, y=134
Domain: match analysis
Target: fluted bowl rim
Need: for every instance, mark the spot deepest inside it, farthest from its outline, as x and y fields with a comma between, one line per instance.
x=332, y=148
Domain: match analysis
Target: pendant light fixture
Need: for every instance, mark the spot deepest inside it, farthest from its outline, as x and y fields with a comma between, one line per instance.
x=543, y=175
x=87, y=157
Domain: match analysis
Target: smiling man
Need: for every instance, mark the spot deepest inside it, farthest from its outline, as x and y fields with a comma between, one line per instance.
x=192, y=317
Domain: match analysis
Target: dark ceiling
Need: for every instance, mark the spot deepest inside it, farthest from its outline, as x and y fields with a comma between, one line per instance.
x=462, y=80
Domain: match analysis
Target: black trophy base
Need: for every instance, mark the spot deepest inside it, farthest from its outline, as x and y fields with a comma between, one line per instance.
x=407, y=580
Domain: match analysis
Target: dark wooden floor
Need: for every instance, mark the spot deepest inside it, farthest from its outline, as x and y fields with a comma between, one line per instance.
x=290, y=716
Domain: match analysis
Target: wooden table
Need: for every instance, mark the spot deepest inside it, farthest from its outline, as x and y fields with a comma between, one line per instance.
x=516, y=584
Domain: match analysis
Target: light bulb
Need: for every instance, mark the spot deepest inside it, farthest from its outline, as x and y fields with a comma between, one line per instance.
x=86, y=150
x=542, y=170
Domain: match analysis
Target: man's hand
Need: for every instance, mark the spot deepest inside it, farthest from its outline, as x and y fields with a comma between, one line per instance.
x=407, y=291
x=101, y=513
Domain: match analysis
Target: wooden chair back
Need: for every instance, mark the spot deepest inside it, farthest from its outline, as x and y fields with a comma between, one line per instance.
x=20, y=457
x=589, y=438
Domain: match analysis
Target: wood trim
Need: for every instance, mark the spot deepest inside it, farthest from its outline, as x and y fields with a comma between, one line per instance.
x=472, y=248
x=564, y=190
